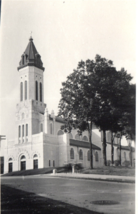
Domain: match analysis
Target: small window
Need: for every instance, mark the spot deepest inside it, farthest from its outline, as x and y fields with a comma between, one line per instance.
x=23, y=157
x=71, y=153
x=88, y=155
x=35, y=156
x=60, y=132
x=85, y=138
x=81, y=154
x=49, y=163
x=96, y=156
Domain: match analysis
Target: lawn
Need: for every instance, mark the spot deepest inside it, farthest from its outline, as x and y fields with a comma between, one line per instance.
x=111, y=170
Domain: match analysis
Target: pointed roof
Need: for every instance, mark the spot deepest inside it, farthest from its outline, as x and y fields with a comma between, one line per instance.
x=31, y=57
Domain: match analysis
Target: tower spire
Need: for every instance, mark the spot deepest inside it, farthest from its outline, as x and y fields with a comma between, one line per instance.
x=31, y=57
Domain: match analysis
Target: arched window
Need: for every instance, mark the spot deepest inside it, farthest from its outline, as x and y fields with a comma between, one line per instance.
x=25, y=90
x=41, y=127
x=35, y=156
x=51, y=128
x=80, y=154
x=26, y=129
x=19, y=132
x=71, y=153
x=23, y=157
x=40, y=92
x=60, y=132
x=124, y=155
x=88, y=155
x=70, y=136
x=77, y=137
x=35, y=161
x=21, y=91
x=36, y=90
x=96, y=156
x=22, y=130
x=23, y=162
x=85, y=138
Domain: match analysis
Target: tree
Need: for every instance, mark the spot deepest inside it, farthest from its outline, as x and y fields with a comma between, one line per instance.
x=99, y=81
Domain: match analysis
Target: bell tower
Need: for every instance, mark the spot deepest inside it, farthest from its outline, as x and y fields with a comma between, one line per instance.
x=30, y=109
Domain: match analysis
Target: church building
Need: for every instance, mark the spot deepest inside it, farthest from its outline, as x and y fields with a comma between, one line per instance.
x=39, y=140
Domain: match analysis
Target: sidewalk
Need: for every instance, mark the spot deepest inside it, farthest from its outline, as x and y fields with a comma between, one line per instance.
x=113, y=178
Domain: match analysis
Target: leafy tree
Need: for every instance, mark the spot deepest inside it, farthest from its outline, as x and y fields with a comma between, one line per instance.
x=94, y=93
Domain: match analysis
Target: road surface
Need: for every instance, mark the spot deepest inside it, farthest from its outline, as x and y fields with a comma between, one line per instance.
x=79, y=192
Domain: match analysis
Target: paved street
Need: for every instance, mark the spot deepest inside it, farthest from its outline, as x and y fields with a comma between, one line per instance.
x=81, y=193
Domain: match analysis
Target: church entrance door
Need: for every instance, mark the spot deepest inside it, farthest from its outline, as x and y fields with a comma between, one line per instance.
x=23, y=162
x=10, y=167
x=23, y=165
x=36, y=164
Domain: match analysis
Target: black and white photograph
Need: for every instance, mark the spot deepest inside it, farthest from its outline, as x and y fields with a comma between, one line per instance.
x=68, y=106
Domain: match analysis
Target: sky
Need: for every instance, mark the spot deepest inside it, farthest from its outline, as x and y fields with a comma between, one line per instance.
x=64, y=33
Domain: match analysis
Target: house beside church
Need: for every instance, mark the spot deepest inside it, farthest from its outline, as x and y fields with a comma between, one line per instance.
x=39, y=140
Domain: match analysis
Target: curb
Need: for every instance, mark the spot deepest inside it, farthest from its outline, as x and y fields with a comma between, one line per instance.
x=121, y=180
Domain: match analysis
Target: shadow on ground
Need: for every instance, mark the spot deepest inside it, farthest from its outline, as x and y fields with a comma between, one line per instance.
x=18, y=201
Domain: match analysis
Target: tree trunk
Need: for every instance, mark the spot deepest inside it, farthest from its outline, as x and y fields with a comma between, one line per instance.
x=91, y=149
x=120, y=151
x=130, y=155
x=104, y=147
x=112, y=148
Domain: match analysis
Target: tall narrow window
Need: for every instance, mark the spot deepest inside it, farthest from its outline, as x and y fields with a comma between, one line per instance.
x=80, y=154
x=26, y=129
x=19, y=131
x=21, y=91
x=88, y=155
x=25, y=90
x=40, y=92
x=71, y=153
x=36, y=90
x=22, y=130
x=49, y=163
x=96, y=156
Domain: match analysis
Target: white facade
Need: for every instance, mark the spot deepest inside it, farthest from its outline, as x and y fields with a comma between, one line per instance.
x=39, y=141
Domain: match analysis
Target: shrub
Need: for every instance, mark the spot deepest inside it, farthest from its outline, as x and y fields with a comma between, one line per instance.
x=108, y=162
x=78, y=166
x=68, y=167
x=126, y=163
x=117, y=162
